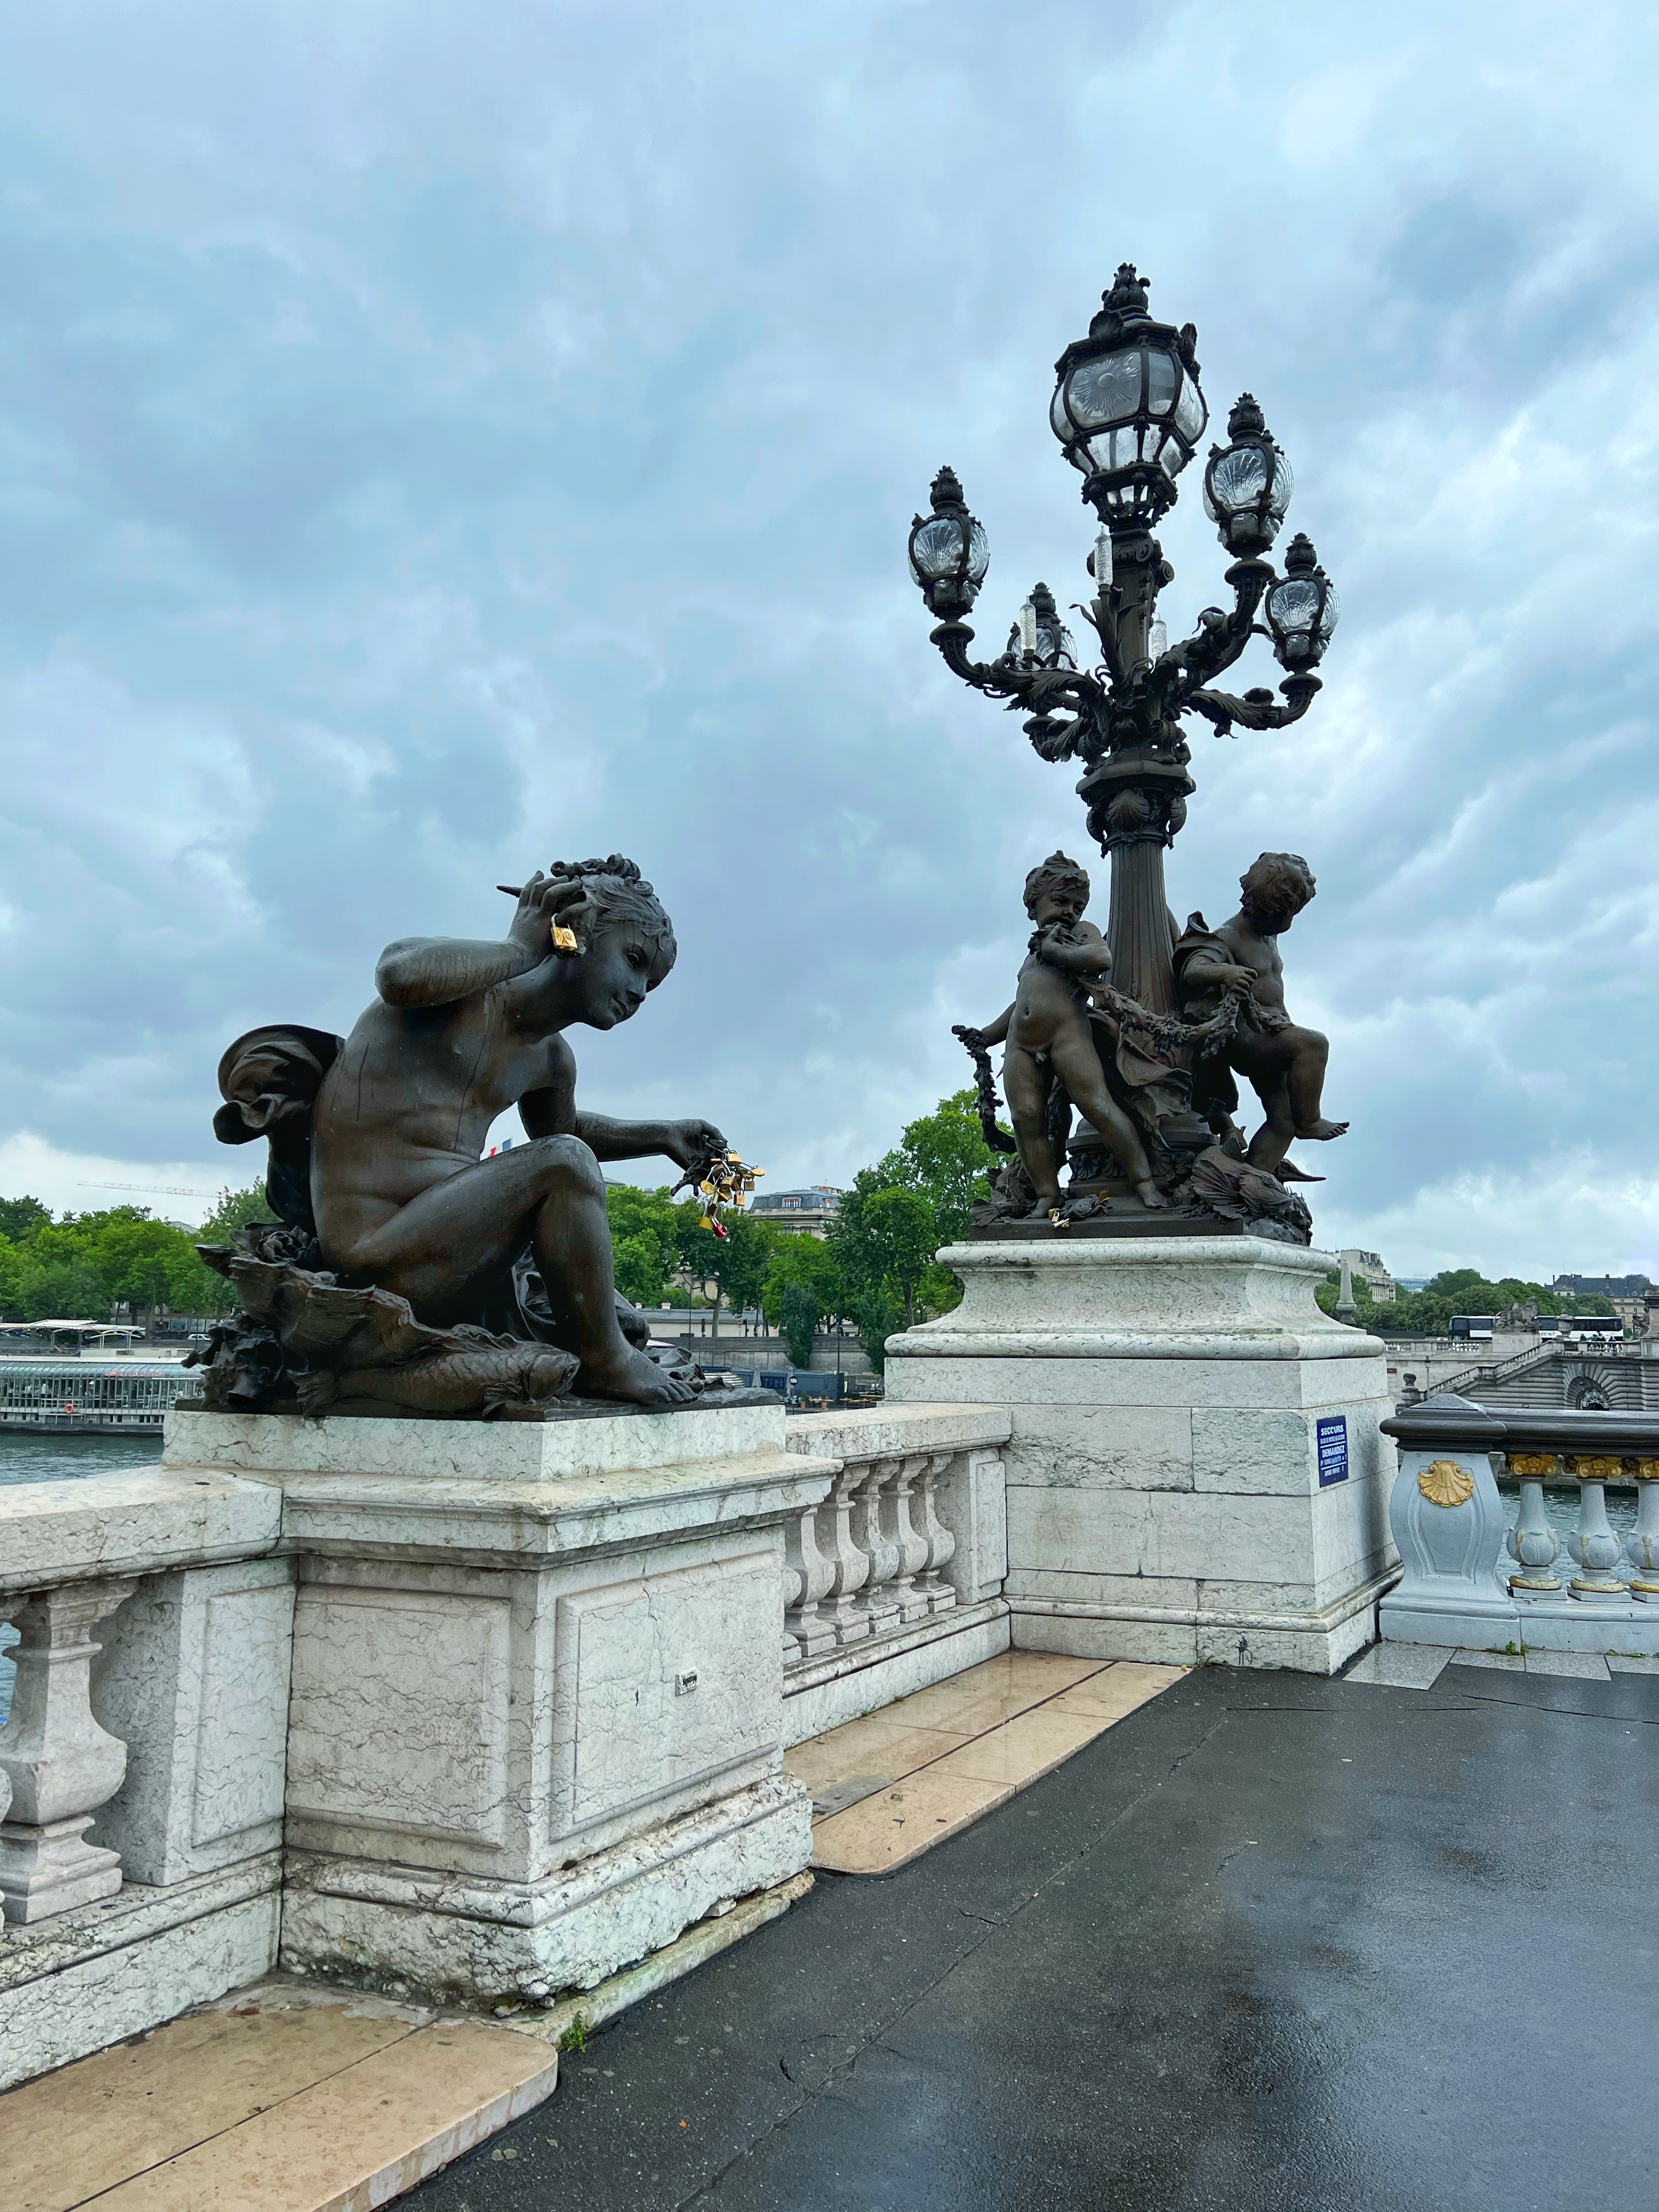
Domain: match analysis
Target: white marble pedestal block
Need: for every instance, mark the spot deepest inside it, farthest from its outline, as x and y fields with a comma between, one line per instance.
x=1195, y=1469
x=535, y=1723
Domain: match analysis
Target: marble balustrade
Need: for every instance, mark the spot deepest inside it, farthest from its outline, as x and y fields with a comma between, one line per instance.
x=149, y=1699
x=871, y=1558
x=900, y=1570
x=1608, y=1565
x=1469, y=1581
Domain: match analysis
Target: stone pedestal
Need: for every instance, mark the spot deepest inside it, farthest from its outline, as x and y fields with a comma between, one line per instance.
x=1195, y=1469
x=535, y=1726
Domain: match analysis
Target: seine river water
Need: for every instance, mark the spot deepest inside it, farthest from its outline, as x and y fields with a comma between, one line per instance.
x=55, y=1459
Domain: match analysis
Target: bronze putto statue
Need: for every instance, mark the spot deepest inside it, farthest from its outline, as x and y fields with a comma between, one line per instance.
x=1159, y=1148
x=407, y=1272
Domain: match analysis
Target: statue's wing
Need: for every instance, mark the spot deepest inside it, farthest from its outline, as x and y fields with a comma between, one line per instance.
x=268, y=1080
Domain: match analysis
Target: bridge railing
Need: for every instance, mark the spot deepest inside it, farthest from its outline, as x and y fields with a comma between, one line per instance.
x=1469, y=1580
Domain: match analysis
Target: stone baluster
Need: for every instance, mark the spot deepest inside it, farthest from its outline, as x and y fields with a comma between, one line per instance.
x=1532, y=1543
x=880, y=1605
x=1642, y=1545
x=809, y=1576
x=898, y=1524
x=850, y=1562
x=1593, y=1543
x=941, y=1541
x=60, y=1765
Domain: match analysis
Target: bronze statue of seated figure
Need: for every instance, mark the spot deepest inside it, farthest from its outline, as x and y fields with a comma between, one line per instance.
x=409, y=1273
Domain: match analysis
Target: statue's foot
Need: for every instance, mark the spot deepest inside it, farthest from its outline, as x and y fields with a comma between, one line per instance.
x=1323, y=1128
x=633, y=1377
x=1150, y=1194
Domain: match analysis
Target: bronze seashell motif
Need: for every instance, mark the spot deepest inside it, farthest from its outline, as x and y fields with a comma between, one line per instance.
x=1442, y=1482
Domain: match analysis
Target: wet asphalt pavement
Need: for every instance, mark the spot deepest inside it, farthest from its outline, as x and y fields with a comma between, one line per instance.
x=1271, y=1942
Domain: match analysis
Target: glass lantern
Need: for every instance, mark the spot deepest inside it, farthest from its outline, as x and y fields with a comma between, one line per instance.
x=1247, y=484
x=1301, y=610
x=1127, y=408
x=1051, y=644
x=949, y=551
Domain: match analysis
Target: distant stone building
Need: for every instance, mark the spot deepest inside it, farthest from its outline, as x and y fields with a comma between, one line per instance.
x=1367, y=1267
x=1626, y=1294
x=807, y=1212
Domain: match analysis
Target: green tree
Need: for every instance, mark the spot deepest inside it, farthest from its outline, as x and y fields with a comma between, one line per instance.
x=19, y=1216
x=1428, y=1312
x=808, y=1264
x=645, y=1229
x=799, y=1316
x=876, y=1318
x=234, y=1210
x=735, y=1263
x=885, y=1240
x=193, y=1287
x=640, y=1276
x=944, y=1156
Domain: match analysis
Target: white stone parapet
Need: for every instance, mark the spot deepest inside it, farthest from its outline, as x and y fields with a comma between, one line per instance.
x=1195, y=1469
x=895, y=1580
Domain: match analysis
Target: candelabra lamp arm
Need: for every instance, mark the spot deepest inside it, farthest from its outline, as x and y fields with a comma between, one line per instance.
x=1035, y=686
x=1072, y=690
x=1221, y=637
x=1255, y=710
x=998, y=678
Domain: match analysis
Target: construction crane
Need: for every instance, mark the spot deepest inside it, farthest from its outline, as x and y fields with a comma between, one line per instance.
x=150, y=1189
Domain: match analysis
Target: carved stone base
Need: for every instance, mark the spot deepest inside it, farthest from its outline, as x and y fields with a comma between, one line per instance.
x=1128, y=1217
x=48, y=1869
x=458, y=1937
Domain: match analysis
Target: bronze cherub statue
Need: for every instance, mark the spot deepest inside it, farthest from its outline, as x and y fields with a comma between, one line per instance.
x=1049, y=1038
x=407, y=1272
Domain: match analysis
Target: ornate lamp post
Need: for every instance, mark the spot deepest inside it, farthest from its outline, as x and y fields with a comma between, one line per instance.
x=1129, y=412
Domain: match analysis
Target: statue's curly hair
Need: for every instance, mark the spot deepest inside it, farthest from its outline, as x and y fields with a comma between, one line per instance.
x=1055, y=873
x=1279, y=879
x=617, y=891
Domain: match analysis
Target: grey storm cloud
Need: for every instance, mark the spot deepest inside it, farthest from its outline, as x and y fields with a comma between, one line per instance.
x=433, y=441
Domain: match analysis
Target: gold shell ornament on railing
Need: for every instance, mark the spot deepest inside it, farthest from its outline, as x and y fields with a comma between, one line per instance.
x=1442, y=1482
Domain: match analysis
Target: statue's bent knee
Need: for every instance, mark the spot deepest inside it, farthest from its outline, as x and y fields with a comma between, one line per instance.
x=567, y=1164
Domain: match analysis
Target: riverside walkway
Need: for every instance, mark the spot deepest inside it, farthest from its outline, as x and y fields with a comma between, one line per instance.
x=1269, y=1941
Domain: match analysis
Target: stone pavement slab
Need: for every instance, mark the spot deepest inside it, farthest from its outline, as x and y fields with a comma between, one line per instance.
x=1582, y=1666
x=887, y=1788
x=281, y=2101
x=1400, y=1665
x=1270, y=1944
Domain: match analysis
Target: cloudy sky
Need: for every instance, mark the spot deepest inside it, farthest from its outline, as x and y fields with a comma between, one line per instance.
x=436, y=439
